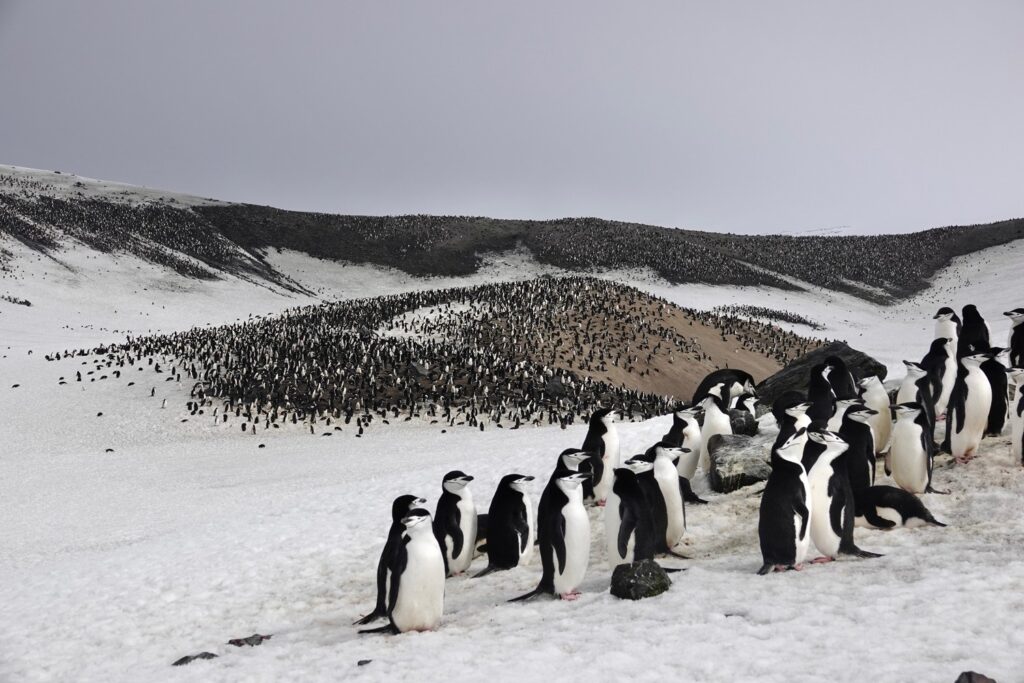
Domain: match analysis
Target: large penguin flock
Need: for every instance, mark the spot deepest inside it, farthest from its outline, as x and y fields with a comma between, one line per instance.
x=821, y=487
x=506, y=355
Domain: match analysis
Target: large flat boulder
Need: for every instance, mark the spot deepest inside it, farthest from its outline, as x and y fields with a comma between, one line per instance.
x=738, y=460
x=796, y=375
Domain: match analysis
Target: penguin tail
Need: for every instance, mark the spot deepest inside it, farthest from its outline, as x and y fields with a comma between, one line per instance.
x=389, y=628
x=934, y=522
x=765, y=569
x=528, y=596
x=484, y=572
x=863, y=554
x=372, y=616
x=929, y=489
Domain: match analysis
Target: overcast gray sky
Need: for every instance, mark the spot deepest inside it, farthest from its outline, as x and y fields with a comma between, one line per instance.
x=733, y=116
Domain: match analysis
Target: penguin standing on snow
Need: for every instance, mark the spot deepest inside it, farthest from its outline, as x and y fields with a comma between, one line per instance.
x=832, y=514
x=400, y=508
x=685, y=434
x=1017, y=415
x=887, y=506
x=511, y=526
x=1016, y=342
x=947, y=326
x=995, y=372
x=784, y=523
x=860, y=456
x=974, y=334
x=603, y=440
x=563, y=530
x=629, y=524
x=940, y=366
x=716, y=421
x=455, y=522
x=967, y=415
x=416, y=585
x=916, y=388
x=912, y=453
x=876, y=398
x=665, y=500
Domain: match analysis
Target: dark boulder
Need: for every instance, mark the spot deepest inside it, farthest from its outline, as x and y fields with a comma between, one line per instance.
x=738, y=460
x=973, y=677
x=742, y=422
x=796, y=375
x=638, y=580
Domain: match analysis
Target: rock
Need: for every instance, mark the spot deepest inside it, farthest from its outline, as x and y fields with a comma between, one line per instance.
x=743, y=422
x=252, y=641
x=363, y=662
x=738, y=460
x=188, y=659
x=796, y=375
x=638, y=580
x=973, y=677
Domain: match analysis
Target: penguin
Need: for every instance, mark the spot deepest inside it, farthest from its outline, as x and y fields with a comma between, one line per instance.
x=969, y=403
x=876, y=398
x=400, y=508
x=832, y=513
x=629, y=525
x=569, y=462
x=1016, y=340
x=842, y=405
x=784, y=521
x=563, y=529
x=666, y=503
x=747, y=402
x=735, y=382
x=887, y=507
x=995, y=373
x=716, y=421
x=511, y=525
x=974, y=334
x=840, y=378
x=820, y=395
x=1017, y=415
x=685, y=434
x=860, y=456
x=947, y=326
x=455, y=522
x=916, y=388
x=790, y=412
x=416, y=586
x=603, y=440
x=941, y=367
x=911, y=455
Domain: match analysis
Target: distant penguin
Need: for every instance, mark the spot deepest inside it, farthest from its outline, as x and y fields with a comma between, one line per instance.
x=784, y=522
x=1017, y=416
x=840, y=378
x=820, y=395
x=400, y=508
x=876, y=398
x=455, y=522
x=974, y=334
x=685, y=434
x=667, y=506
x=511, y=526
x=602, y=439
x=911, y=454
x=941, y=367
x=887, y=507
x=733, y=381
x=563, y=529
x=995, y=372
x=716, y=421
x=1016, y=340
x=416, y=585
x=967, y=415
x=832, y=513
x=860, y=456
x=629, y=524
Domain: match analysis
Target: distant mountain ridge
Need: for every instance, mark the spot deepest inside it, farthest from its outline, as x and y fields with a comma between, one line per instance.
x=203, y=238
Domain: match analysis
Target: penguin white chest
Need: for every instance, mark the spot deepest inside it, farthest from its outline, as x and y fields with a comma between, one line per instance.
x=577, y=548
x=908, y=459
x=715, y=422
x=667, y=476
x=420, y=601
x=803, y=543
x=526, y=554
x=688, y=461
x=826, y=539
x=468, y=527
x=611, y=529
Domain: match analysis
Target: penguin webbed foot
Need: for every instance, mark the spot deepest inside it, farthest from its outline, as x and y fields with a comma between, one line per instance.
x=570, y=596
x=387, y=629
x=824, y=559
x=372, y=616
x=929, y=489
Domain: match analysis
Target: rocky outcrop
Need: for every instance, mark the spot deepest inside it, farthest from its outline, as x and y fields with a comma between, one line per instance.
x=796, y=375
x=738, y=460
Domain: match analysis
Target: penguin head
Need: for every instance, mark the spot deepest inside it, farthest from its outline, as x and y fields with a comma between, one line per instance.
x=403, y=504
x=664, y=450
x=417, y=521
x=1016, y=376
x=869, y=382
x=1016, y=316
x=834, y=444
x=799, y=410
x=574, y=457
x=793, y=448
x=571, y=482
x=455, y=481
x=907, y=411
x=638, y=465
x=861, y=414
x=945, y=313
x=519, y=482
x=974, y=360
x=689, y=413
x=914, y=370
x=845, y=404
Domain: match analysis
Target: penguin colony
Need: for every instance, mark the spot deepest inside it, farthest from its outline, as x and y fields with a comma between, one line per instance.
x=543, y=351
x=821, y=487
x=206, y=237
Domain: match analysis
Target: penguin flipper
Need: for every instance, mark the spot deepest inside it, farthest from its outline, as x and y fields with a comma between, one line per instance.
x=558, y=544
x=876, y=520
x=626, y=528
x=857, y=552
x=931, y=520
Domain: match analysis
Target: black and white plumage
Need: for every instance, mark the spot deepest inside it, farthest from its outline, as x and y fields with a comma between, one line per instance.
x=821, y=396
x=603, y=441
x=912, y=453
x=886, y=507
x=974, y=333
x=733, y=381
x=511, y=524
x=969, y=404
x=840, y=378
x=629, y=523
x=455, y=522
x=995, y=372
x=860, y=456
x=1016, y=340
x=784, y=520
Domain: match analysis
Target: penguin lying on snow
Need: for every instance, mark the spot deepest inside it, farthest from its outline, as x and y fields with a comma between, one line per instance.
x=563, y=529
x=416, y=586
x=886, y=507
x=401, y=507
x=511, y=525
